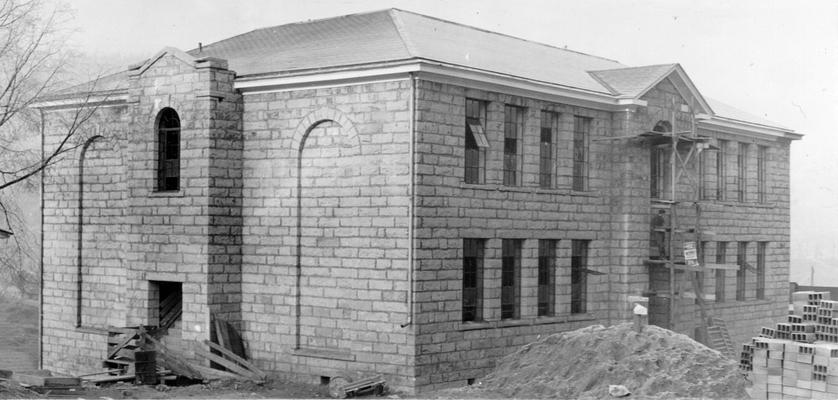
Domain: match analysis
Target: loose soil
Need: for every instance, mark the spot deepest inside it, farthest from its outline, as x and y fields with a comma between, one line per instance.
x=656, y=363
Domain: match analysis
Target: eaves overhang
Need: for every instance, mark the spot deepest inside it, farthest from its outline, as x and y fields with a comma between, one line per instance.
x=437, y=72
x=744, y=128
x=76, y=100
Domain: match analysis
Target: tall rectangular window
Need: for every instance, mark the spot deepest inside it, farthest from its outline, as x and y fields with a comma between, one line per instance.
x=473, y=279
x=742, y=260
x=742, y=173
x=476, y=142
x=702, y=261
x=721, y=171
x=510, y=276
x=703, y=190
x=546, y=277
x=581, y=138
x=579, y=276
x=549, y=127
x=657, y=158
x=762, y=173
x=513, y=128
x=761, y=247
x=721, y=255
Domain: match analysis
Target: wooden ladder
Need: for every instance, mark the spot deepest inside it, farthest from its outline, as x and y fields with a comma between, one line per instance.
x=719, y=337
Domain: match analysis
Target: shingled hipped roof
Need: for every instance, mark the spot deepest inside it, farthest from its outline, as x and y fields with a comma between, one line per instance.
x=396, y=35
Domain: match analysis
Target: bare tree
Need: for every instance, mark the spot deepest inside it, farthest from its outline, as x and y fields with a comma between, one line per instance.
x=33, y=62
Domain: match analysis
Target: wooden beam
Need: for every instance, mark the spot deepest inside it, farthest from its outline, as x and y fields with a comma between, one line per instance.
x=721, y=266
x=52, y=381
x=172, y=359
x=221, y=334
x=128, y=338
x=117, y=378
x=233, y=367
x=232, y=356
x=210, y=373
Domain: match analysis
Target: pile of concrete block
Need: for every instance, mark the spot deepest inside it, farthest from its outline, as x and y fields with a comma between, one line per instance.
x=798, y=358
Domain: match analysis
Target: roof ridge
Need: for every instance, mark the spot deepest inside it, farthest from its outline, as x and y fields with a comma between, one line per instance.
x=399, y=25
x=308, y=21
x=637, y=67
x=505, y=35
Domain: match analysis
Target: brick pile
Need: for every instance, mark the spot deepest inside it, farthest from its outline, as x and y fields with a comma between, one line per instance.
x=798, y=359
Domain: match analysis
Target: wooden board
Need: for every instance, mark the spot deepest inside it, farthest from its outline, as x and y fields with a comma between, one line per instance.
x=232, y=356
x=210, y=373
x=52, y=381
x=172, y=359
x=233, y=367
x=111, y=378
x=722, y=266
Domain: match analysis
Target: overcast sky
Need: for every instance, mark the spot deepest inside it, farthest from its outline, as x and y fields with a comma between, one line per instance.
x=777, y=59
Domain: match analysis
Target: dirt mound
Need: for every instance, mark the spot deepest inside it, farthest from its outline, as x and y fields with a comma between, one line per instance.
x=11, y=390
x=656, y=363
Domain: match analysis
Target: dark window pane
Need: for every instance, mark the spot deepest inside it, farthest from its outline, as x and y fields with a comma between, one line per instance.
x=510, y=273
x=472, y=275
x=578, y=276
x=581, y=132
x=721, y=170
x=168, y=150
x=546, y=277
x=474, y=118
x=741, y=259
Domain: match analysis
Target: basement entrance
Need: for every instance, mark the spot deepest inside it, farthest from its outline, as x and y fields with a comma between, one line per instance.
x=165, y=305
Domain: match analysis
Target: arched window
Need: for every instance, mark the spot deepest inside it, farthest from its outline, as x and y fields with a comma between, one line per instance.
x=168, y=150
x=663, y=126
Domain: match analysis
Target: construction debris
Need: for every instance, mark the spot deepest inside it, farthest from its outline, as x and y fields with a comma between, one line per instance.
x=656, y=363
x=139, y=354
x=341, y=387
x=798, y=359
x=43, y=382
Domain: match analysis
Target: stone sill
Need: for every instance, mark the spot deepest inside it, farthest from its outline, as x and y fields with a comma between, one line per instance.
x=725, y=203
x=528, y=189
x=323, y=353
x=167, y=193
x=738, y=204
x=511, y=323
x=739, y=303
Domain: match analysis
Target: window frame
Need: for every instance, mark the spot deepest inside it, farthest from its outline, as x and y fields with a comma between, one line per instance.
x=473, y=250
x=513, y=132
x=168, y=142
x=579, y=252
x=741, y=260
x=762, y=248
x=582, y=127
x=742, y=172
x=762, y=173
x=721, y=276
x=475, y=142
x=703, y=176
x=547, y=162
x=721, y=170
x=546, y=278
x=510, y=285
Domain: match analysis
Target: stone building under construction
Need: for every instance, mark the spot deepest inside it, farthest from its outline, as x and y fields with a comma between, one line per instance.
x=397, y=194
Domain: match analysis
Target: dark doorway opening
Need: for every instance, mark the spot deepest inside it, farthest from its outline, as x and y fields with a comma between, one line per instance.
x=165, y=304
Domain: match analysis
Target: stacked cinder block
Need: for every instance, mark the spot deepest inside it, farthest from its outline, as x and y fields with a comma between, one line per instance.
x=798, y=359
